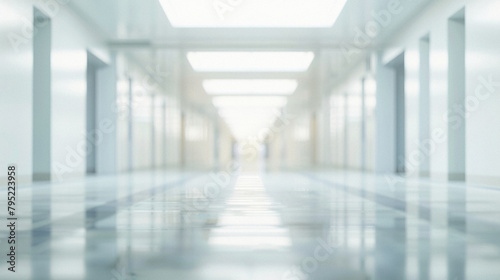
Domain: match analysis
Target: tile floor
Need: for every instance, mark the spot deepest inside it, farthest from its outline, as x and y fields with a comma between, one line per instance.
x=276, y=226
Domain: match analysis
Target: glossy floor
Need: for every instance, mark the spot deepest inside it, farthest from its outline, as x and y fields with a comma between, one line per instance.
x=276, y=226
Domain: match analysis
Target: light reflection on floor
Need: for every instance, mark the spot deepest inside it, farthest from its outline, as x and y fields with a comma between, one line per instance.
x=247, y=221
x=279, y=226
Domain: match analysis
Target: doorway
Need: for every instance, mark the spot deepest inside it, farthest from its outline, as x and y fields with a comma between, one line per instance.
x=398, y=65
x=93, y=135
x=456, y=97
x=41, y=96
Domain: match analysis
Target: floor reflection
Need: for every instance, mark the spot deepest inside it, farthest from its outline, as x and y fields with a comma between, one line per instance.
x=285, y=226
x=41, y=231
x=248, y=220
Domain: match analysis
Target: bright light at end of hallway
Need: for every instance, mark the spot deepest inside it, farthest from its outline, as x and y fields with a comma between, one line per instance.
x=248, y=116
x=249, y=121
x=250, y=61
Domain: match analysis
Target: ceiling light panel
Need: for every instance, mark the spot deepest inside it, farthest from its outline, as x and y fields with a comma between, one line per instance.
x=252, y=13
x=250, y=61
x=250, y=87
x=249, y=101
x=236, y=112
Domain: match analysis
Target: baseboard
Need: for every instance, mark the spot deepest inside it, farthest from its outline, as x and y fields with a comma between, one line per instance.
x=41, y=177
x=483, y=180
x=439, y=176
x=460, y=177
x=424, y=174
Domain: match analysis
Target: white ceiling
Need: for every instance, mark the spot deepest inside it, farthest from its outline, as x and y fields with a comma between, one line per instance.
x=132, y=21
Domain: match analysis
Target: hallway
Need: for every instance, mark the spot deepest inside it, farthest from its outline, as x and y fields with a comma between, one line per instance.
x=311, y=225
x=249, y=140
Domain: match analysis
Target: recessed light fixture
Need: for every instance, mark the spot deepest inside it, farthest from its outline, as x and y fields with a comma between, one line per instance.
x=249, y=112
x=249, y=101
x=250, y=61
x=252, y=13
x=250, y=86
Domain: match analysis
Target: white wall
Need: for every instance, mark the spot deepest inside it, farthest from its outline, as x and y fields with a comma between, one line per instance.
x=412, y=90
x=439, y=97
x=433, y=21
x=483, y=63
x=291, y=143
x=199, y=140
x=122, y=109
x=420, y=160
x=430, y=124
x=338, y=128
x=354, y=122
x=482, y=60
x=142, y=127
x=16, y=87
x=72, y=37
x=298, y=138
x=370, y=103
x=173, y=94
x=173, y=132
x=149, y=123
x=159, y=121
x=347, y=119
